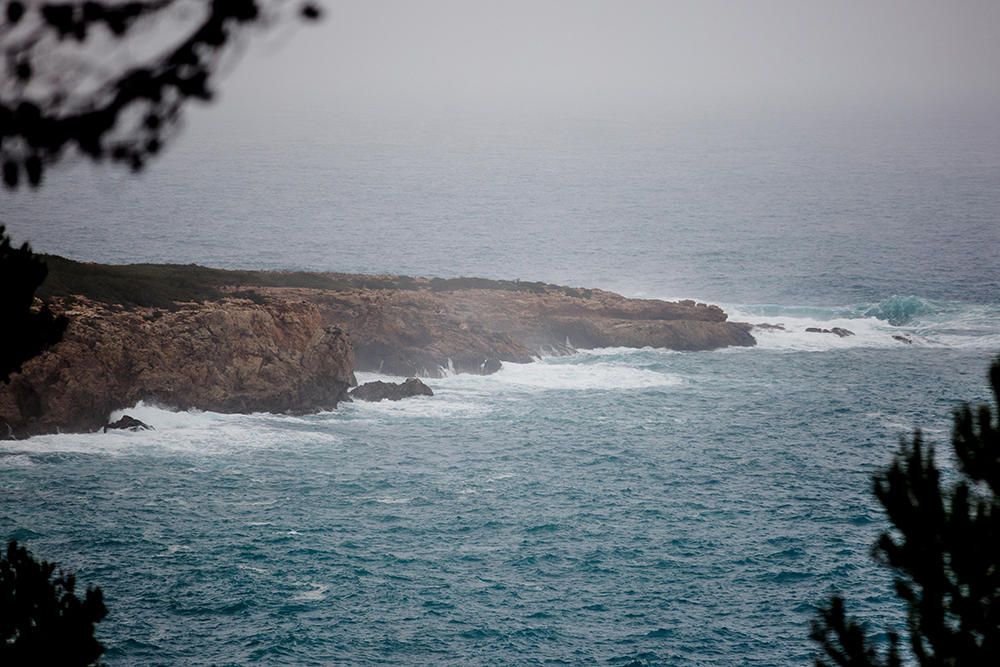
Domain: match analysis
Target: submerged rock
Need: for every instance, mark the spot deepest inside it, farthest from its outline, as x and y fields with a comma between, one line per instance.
x=491, y=365
x=128, y=423
x=903, y=339
x=378, y=390
x=764, y=326
x=837, y=331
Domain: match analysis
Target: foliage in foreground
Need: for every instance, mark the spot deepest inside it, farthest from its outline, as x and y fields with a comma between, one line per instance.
x=26, y=331
x=944, y=548
x=42, y=621
x=133, y=103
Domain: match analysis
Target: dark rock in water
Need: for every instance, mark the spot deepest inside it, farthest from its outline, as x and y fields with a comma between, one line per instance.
x=378, y=390
x=129, y=424
x=837, y=331
x=491, y=365
x=764, y=326
x=903, y=339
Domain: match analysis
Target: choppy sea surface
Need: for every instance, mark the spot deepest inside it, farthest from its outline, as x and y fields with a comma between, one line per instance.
x=610, y=507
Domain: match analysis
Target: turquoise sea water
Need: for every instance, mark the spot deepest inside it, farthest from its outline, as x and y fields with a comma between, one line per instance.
x=610, y=507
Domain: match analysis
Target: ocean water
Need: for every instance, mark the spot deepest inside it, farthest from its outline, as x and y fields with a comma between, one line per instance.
x=610, y=507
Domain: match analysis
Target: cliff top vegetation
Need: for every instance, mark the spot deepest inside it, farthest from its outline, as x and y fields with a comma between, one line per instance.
x=166, y=285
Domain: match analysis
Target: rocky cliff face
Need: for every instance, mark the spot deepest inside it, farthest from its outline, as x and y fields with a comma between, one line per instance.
x=238, y=341
x=227, y=356
x=423, y=331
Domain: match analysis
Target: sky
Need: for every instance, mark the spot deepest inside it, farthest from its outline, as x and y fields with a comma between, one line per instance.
x=601, y=58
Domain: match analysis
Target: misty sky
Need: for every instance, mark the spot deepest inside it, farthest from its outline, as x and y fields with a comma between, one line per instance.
x=589, y=57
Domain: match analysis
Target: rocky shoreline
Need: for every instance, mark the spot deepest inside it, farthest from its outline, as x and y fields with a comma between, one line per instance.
x=237, y=341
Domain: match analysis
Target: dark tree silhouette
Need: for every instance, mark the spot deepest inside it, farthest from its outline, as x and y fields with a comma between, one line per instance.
x=67, y=86
x=26, y=330
x=70, y=85
x=42, y=621
x=945, y=550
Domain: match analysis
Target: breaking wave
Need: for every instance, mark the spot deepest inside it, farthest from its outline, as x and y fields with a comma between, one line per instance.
x=890, y=323
x=900, y=310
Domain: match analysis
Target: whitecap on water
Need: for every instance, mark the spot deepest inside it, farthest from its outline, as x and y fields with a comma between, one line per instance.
x=15, y=461
x=562, y=374
x=868, y=333
x=925, y=323
x=441, y=405
x=467, y=395
x=626, y=351
x=172, y=550
x=386, y=500
x=315, y=593
x=184, y=432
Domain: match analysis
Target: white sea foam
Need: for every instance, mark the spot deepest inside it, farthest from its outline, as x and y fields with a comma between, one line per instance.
x=462, y=395
x=585, y=370
x=315, y=593
x=386, y=500
x=868, y=333
x=556, y=374
x=924, y=323
x=619, y=351
x=16, y=461
x=180, y=432
x=442, y=405
x=174, y=549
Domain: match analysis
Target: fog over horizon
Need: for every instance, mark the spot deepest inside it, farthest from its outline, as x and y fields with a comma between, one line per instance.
x=397, y=68
x=420, y=119
x=636, y=59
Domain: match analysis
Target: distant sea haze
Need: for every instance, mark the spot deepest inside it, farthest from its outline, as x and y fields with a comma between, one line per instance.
x=793, y=211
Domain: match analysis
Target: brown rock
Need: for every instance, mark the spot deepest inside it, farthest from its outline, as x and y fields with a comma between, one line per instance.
x=837, y=331
x=288, y=348
x=224, y=356
x=378, y=390
x=128, y=423
x=418, y=331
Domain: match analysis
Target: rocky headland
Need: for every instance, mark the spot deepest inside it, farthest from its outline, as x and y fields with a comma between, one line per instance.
x=246, y=341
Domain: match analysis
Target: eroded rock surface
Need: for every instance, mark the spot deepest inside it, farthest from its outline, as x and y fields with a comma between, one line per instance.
x=128, y=423
x=392, y=391
x=247, y=341
x=427, y=332
x=225, y=356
